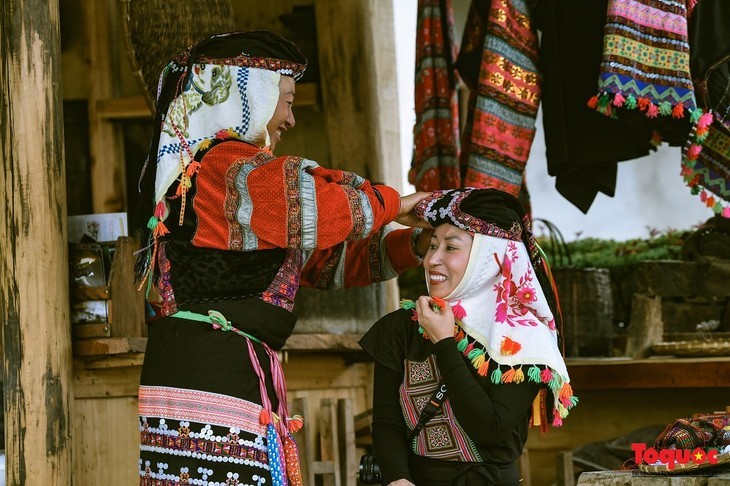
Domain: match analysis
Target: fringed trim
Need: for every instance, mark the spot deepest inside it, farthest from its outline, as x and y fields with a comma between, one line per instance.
x=690, y=153
x=477, y=354
x=606, y=103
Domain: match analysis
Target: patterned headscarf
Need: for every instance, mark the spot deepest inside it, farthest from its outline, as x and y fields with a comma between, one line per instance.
x=224, y=87
x=505, y=301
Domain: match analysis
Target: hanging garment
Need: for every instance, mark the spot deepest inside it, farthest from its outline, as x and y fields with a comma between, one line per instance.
x=505, y=93
x=582, y=146
x=435, y=163
x=709, y=173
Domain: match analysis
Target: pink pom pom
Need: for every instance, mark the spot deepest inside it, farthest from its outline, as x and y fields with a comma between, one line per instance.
x=618, y=100
x=458, y=310
x=694, y=150
x=705, y=120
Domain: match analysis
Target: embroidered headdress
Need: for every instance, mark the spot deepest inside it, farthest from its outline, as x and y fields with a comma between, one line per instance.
x=226, y=86
x=505, y=305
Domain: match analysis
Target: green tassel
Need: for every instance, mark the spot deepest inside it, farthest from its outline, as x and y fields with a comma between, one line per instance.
x=630, y=102
x=603, y=100
x=497, y=376
x=152, y=222
x=474, y=353
x=407, y=304
x=665, y=108
x=534, y=374
x=462, y=344
x=695, y=116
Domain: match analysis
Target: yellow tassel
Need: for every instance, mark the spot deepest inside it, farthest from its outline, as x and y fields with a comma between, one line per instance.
x=519, y=375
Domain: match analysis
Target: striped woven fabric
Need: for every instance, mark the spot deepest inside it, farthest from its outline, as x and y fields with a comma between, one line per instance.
x=503, y=107
x=435, y=163
x=646, y=59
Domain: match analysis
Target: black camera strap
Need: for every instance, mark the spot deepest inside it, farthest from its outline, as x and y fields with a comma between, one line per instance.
x=431, y=408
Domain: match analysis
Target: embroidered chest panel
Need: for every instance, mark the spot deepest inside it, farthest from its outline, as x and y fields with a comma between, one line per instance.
x=442, y=437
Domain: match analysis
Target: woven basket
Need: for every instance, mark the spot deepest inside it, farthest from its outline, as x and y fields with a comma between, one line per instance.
x=156, y=31
x=684, y=468
x=716, y=347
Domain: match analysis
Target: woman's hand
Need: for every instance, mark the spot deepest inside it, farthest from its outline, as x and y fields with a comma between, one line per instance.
x=406, y=217
x=401, y=482
x=438, y=324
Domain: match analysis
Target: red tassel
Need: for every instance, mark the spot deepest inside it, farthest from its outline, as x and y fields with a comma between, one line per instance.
x=652, y=111
x=265, y=417
x=644, y=103
x=193, y=168
x=593, y=102
x=678, y=111
x=296, y=423
x=510, y=347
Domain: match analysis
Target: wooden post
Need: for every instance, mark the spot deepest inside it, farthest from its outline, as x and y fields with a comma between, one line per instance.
x=356, y=47
x=33, y=250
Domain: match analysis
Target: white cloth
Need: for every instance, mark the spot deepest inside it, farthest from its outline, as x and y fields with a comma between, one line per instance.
x=239, y=100
x=502, y=298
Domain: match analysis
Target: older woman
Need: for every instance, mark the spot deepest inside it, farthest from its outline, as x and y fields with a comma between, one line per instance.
x=461, y=373
x=233, y=231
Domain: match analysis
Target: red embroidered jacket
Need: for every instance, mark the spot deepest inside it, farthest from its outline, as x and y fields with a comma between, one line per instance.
x=332, y=222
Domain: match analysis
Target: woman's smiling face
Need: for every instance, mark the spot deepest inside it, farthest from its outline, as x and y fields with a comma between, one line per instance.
x=446, y=259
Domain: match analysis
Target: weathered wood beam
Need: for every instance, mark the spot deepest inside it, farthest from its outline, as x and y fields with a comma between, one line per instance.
x=34, y=299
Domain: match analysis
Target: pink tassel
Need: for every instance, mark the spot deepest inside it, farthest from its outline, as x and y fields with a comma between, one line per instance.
x=705, y=120
x=557, y=421
x=726, y=212
x=459, y=311
x=652, y=111
x=546, y=375
x=703, y=196
x=618, y=100
x=160, y=210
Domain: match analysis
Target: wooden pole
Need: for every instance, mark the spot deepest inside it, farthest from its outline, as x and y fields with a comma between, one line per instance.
x=37, y=360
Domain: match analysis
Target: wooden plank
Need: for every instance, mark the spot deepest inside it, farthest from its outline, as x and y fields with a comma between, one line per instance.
x=113, y=345
x=323, y=342
x=649, y=373
x=107, y=382
x=329, y=443
x=123, y=108
x=326, y=371
x=565, y=468
x=127, y=308
x=524, y=463
x=108, y=178
x=108, y=434
x=80, y=331
x=34, y=299
x=349, y=461
x=111, y=361
x=304, y=438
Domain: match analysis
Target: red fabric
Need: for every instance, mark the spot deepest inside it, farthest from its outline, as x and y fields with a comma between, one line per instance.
x=274, y=190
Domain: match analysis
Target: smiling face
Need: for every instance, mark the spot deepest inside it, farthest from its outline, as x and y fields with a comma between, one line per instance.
x=283, y=118
x=446, y=259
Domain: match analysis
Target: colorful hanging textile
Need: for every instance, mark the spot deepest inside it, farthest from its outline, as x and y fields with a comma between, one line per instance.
x=505, y=94
x=646, y=68
x=435, y=163
x=708, y=172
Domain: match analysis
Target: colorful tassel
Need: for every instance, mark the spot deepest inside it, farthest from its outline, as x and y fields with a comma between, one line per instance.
x=459, y=311
x=644, y=103
x=519, y=375
x=656, y=138
x=192, y=168
x=295, y=423
x=695, y=116
x=483, y=368
x=593, y=102
x=496, y=376
x=533, y=374
x=510, y=347
x=705, y=120
x=630, y=102
x=477, y=360
x=665, y=108
x=407, y=304
x=508, y=376
x=652, y=111
x=546, y=375
x=678, y=111
x=462, y=344
x=618, y=100
x=161, y=229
